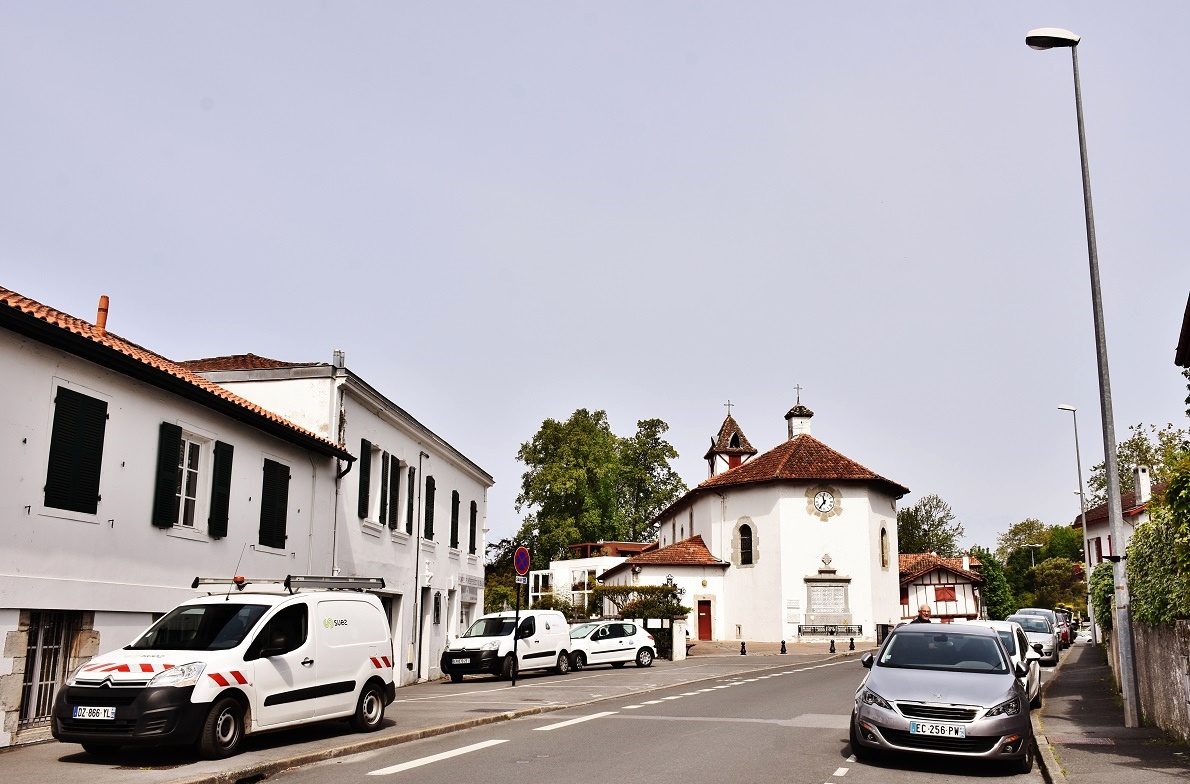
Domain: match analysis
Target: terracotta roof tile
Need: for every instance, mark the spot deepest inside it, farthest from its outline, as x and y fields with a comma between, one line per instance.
x=240, y=362
x=688, y=552
x=802, y=457
x=914, y=565
x=1128, y=505
x=110, y=340
x=722, y=443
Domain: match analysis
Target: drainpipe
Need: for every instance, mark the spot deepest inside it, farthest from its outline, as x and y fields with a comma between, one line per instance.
x=415, y=545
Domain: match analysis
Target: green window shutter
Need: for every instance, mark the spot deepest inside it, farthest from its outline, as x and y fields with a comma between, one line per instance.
x=454, y=519
x=409, y=504
x=430, y=490
x=365, y=475
x=274, y=504
x=76, y=452
x=165, y=489
x=380, y=518
x=474, y=518
x=394, y=491
x=220, y=490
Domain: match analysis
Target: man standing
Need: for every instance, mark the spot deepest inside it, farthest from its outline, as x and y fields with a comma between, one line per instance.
x=923, y=614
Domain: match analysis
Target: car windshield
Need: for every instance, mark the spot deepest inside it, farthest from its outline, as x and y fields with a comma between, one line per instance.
x=579, y=632
x=491, y=627
x=201, y=627
x=944, y=651
x=1033, y=623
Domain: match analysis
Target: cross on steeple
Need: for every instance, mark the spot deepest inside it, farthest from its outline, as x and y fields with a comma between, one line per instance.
x=798, y=387
x=728, y=404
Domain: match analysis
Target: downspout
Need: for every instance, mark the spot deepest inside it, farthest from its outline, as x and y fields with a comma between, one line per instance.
x=415, y=545
x=341, y=429
x=313, y=497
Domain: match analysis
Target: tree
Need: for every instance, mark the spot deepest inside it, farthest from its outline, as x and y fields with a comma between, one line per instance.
x=1019, y=536
x=1057, y=581
x=997, y=594
x=929, y=526
x=647, y=483
x=1157, y=448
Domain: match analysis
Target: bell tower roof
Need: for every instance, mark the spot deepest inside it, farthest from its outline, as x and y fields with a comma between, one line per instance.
x=730, y=441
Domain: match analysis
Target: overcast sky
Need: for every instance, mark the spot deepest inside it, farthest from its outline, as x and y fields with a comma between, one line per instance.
x=505, y=211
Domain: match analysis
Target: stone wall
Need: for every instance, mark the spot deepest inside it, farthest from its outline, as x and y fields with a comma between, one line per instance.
x=1163, y=670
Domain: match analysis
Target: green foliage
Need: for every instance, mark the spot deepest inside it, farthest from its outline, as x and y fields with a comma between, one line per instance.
x=1016, y=539
x=554, y=601
x=997, y=595
x=1103, y=594
x=1057, y=581
x=584, y=484
x=1157, y=448
x=929, y=526
x=497, y=598
x=642, y=601
x=1158, y=585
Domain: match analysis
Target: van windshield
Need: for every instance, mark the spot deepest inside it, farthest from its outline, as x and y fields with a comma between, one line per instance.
x=201, y=627
x=491, y=627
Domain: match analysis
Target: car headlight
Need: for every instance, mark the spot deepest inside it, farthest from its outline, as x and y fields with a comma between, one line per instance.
x=1008, y=708
x=182, y=675
x=74, y=675
x=872, y=698
x=490, y=646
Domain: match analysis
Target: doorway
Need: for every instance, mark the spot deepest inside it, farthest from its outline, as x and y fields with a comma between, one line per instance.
x=704, y=619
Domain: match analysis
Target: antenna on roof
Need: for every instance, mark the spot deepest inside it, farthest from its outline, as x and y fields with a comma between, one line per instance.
x=236, y=580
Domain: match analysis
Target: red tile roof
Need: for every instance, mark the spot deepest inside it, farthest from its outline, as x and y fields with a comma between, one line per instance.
x=801, y=458
x=1128, y=505
x=722, y=443
x=914, y=565
x=240, y=362
x=64, y=331
x=688, y=552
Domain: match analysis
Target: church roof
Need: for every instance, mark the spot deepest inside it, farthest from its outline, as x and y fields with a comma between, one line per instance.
x=801, y=458
x=730, y=441
x=688, y=552
x=914, y=565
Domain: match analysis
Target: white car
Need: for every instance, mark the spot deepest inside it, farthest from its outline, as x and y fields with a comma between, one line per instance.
x=1016, y=642
x=611, y=642
x=1040, y=632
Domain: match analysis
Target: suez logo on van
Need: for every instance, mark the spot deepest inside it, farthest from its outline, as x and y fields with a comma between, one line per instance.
x=332, y=623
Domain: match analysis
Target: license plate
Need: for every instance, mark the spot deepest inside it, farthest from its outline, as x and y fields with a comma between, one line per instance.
x=84, y=712
x=938, y=730
x=460, y=661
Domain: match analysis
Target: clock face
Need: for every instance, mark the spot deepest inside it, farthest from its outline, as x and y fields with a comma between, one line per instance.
x=824, y=501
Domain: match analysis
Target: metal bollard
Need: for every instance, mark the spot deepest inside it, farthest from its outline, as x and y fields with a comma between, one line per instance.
x=851, y=645
x=783, y=647
x=743, y=650
x=832, y=646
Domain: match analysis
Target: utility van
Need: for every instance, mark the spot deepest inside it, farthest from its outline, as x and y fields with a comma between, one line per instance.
x=253, y=656
x=542, y=641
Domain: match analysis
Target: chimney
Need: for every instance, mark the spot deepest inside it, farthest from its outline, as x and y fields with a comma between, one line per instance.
x=1142, y=484
x=966, y=561
x=798, y=419
x=339, y=358
x=101, y=316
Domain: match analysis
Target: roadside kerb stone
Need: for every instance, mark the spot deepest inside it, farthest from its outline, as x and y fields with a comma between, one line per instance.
x=1051, y=771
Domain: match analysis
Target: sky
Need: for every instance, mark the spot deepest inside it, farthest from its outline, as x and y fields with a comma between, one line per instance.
x=506, y=211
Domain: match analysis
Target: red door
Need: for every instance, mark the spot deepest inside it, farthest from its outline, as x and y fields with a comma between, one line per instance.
x=704, y=619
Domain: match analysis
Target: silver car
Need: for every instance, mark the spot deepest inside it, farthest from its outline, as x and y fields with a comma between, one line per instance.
x=943, y=689
x=1019, y=650
x=1040, y=632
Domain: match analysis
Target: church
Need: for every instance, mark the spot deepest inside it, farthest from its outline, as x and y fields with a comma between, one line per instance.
x=797, y=542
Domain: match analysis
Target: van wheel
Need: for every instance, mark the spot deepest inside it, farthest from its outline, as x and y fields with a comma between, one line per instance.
x=578, y=662
x=104, y=750
x=563, y=665
x=644, y=657
x=223, y=730
x=456, y=677
x=369, y=711
x=509, y=669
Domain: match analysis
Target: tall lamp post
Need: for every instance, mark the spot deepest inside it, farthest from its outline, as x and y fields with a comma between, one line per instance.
x=1051, y=38
x=1082, y=510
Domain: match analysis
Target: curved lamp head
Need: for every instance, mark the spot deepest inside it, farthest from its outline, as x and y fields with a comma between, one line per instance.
x=1051, y=38
x=1066, y=407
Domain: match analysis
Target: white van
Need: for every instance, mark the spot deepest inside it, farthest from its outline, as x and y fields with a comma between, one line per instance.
x=543, y=640
x=254, y=656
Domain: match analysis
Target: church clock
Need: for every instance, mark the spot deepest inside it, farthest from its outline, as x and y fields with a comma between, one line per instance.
x=823, y=502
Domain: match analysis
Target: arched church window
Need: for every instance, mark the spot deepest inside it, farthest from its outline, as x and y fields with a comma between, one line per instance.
x=735, y=441
x=884, y=548
x=745, y=545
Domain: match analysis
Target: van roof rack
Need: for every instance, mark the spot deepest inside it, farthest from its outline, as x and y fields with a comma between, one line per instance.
x=293, y=582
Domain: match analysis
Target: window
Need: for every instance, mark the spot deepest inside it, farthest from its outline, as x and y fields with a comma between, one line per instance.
x=745, y=545
x=904, y=599
x=47, y=663
x=944, y=593
x=582, y=584
x=76, y=452
x=409, y=500
x=883, y=548
x=374, y=503
x=274, y=504
x=528, y=627
x=182, y=471
x=394, y=492
x=429, y=523
x=437, y=607
x=472, y=527
x=285, y=632
x=454, y=519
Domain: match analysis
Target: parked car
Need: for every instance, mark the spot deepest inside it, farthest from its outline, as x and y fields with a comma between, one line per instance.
x=1084, y=635
x=1040, y=632
x=1062, y=629
x=542, y=641
x=611, y=642
x=948, y=690
x=217, y=668
x=1019, y=650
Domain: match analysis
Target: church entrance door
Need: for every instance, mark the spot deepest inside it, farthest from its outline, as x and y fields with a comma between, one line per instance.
x=704, y=619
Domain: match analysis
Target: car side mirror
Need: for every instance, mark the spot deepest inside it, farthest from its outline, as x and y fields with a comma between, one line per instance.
x=1037, y=647
x=1032, y=655
x=866, y=660
x=1021, y=670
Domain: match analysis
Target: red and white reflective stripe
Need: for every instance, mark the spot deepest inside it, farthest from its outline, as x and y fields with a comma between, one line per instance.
x=376, y=662
x=222, y=678
x=144, y=667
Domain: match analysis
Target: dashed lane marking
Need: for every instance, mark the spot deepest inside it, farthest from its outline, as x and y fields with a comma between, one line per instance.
x=840, y=772
x=417, y=763
x=569, y=722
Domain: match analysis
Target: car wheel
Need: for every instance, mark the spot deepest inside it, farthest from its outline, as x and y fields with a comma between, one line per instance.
x=369, y=711
x=223, y=730
x=456, y=677
x=104, y=750
x=1025, y=763
x=618, y=665
x=579, y=661
x=1036, y=701
x=644, y=657
x=563, y=665
x=509, y=670
x=862, y=753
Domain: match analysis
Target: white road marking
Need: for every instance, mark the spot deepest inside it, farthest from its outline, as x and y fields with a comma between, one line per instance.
x=651, y=702
x=840, y=772
x=633, y=707
x=672, y=698
x=417, y=763
x=689, y=693
x=579, y=720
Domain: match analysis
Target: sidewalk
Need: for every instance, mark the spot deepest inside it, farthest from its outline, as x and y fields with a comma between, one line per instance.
x=1081, y=734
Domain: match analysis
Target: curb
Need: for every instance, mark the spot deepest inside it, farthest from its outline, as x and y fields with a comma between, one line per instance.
x=1051, y=771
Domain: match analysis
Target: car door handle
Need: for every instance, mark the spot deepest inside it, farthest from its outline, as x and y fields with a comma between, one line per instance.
x=307, y=662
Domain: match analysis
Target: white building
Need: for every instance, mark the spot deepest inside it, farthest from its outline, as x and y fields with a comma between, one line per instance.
x=415, y=507
x=125, y=476
x=574, y=579
x=800, y=540
x=1135, y=511
x=950, y=586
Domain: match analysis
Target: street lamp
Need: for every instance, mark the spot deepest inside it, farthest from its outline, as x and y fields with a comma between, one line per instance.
x=1051, y=38
x=1032, y=551
x=1082, y=508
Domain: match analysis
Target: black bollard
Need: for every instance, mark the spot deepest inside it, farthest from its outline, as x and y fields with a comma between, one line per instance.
x=832, y=646
x=851, y=645
x=783, y=647
x=743, y=650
